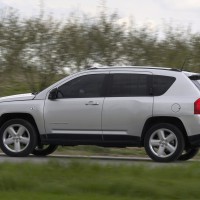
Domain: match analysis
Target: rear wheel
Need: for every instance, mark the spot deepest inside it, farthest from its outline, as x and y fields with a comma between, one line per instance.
x=188, y=154
x=18, y=138
x=44, y=150
x=164, y=142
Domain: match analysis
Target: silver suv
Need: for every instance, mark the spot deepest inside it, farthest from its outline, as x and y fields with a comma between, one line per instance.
x=155, y=108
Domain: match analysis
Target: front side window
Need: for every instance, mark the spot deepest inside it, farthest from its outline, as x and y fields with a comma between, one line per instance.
x=128, y=85
x=82, y=87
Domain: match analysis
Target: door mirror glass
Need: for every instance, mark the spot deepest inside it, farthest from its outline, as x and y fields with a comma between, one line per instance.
x=53, y=94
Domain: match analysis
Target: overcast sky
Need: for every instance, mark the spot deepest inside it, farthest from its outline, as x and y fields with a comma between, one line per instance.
x=151, y=12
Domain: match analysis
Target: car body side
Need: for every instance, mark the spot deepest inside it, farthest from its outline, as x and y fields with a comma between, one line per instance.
x=176, y=105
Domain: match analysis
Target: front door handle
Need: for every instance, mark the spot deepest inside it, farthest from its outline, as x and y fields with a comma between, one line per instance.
x=92, y=103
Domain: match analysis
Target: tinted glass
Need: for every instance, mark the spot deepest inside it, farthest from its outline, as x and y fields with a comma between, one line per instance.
x=161, y=84
x=125, y=85
x=197, y=83
x=195, y=79
x=82, y=87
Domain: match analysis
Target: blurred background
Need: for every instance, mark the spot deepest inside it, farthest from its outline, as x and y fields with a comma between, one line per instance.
x=39, y=44
x=43, y=41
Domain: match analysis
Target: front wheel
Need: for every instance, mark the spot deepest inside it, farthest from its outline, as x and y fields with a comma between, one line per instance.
x=44, y=150
x=188, y=154
x=18, y=138
x=164, y=142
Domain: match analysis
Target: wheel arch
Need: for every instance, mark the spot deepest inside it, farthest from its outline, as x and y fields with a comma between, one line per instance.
x=163, y=119
x=25, y=116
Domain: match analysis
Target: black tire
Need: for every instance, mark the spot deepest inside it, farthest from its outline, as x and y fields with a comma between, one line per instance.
x=44, y=150
x=188, y=154
x=18, y=138
x=164, y=142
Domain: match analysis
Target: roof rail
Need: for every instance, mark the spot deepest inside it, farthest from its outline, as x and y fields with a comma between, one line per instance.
x=90, y=68
x=137, y=67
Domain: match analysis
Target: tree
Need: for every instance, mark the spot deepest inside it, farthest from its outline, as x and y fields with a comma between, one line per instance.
x=35, y=51
x=174, y=48
x=40, y=58
x=74, y=45
x=106, y=36
x=139, y=47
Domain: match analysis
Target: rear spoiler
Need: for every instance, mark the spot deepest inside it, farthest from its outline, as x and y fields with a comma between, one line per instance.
x=194, y=77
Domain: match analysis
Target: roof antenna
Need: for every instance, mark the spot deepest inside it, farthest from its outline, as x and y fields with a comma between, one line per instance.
x=186, y=59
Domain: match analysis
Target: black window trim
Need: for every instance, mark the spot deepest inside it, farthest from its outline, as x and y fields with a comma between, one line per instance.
x=150, y=84
x=107, y=82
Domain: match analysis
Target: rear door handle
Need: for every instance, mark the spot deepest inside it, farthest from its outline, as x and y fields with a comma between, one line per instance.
x=92, y=103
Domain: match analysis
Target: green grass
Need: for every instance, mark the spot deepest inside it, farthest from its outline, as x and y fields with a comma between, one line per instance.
x=102, y=151
x=85, y=181
x=89, y=150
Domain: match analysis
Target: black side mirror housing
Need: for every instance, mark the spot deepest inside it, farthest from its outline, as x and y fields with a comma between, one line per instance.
x=53, y=94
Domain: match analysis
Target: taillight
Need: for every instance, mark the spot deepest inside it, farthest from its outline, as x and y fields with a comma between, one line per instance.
x=197, y=106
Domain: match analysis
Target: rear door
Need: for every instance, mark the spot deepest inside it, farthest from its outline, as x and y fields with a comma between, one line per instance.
x=128, y=105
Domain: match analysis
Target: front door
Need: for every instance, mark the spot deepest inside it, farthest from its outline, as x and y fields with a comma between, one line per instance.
x=76, y=114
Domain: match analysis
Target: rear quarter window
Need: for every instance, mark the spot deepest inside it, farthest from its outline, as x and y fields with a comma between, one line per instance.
x=161, y=84
x=197, y=83
x=195, y=79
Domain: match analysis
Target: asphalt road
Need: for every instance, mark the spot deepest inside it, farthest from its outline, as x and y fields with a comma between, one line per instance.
x=103, y=160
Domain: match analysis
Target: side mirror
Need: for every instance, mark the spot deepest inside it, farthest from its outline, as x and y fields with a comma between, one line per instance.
x=53, y=94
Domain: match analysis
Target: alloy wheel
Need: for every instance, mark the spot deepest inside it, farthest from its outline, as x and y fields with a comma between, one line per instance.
x=16, y=137
x=163, y=143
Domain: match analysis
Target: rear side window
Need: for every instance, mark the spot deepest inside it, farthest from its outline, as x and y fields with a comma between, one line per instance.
x=161, y=84
x=128, y=85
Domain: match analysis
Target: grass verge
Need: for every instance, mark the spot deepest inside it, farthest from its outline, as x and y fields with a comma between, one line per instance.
x=96, y=150
x=85, y=181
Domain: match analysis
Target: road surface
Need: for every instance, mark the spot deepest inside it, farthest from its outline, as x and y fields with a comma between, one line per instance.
x=104, y=160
